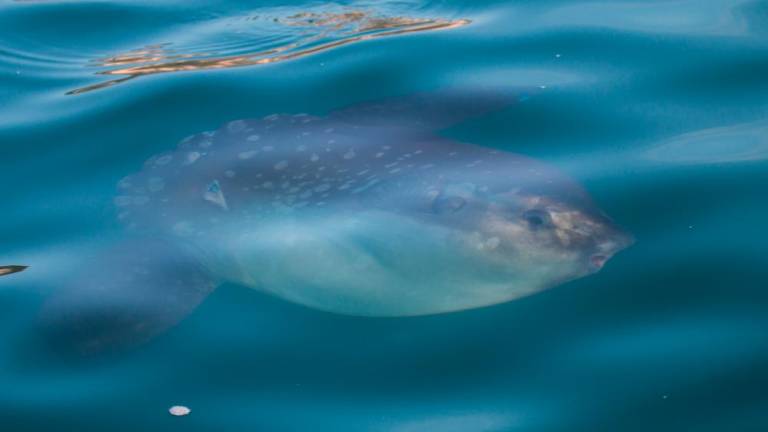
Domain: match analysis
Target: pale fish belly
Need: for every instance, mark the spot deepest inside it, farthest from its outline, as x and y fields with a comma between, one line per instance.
x=373, y=263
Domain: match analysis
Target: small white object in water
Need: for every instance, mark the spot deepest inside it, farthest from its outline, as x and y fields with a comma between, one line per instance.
x=179, y=410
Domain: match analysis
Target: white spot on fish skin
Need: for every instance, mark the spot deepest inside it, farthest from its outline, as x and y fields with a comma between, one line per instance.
x=272, y=117
x=314, y=157
x=281, y=165
x=363, y=172
x=163, y=160
x=395, y=171
x=156, y=184
x=247, y=154
x=253, y=138
x=215, y=195
x=453, y=153
x=229, y=173
x=301, y=148
x=386, y=147
x=366, y=186
x=205, y=143
x=418, y=152
x=492, y=243
x=329, y=130
x=390, y=165
x=267, y=185
x=349, y=155
x=267, y=148
x=330, y=141
x=191, y=158
x=378, y=155
x=474, y=164
x=236, y=126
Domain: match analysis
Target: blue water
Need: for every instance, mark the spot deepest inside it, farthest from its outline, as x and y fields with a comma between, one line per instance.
x=657, y=107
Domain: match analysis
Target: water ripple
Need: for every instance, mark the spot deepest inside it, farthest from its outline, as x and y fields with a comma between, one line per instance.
x=259, y=40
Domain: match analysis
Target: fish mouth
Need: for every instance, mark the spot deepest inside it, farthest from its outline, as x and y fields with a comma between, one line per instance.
x=597, y=261
x=607, y=249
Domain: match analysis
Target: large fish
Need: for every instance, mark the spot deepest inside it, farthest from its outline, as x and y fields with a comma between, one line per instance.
x=362, y=212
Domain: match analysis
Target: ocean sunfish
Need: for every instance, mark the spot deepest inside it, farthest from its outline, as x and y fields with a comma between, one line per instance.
x=363, y=212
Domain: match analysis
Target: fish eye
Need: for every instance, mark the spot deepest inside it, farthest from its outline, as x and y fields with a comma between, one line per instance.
x=537, y=218
x=447, y=205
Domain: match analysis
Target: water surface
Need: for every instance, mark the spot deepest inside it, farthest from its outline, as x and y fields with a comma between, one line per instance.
x=657, y=107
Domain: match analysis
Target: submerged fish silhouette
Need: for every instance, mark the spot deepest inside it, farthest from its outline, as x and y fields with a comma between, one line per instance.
x=362, y=212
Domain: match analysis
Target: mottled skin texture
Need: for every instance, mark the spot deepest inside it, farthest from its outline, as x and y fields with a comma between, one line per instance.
x=363, y=212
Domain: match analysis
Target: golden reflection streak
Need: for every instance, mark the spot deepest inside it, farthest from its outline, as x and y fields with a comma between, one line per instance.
x=155, y=53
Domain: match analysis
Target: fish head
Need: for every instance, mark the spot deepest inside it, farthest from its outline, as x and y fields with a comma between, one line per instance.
x=542, y=235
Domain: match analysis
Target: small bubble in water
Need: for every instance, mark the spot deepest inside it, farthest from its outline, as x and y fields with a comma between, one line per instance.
x=179, y=410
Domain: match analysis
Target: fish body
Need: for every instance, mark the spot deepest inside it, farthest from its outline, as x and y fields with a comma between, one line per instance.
x=368, y=218
x=365, y=211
